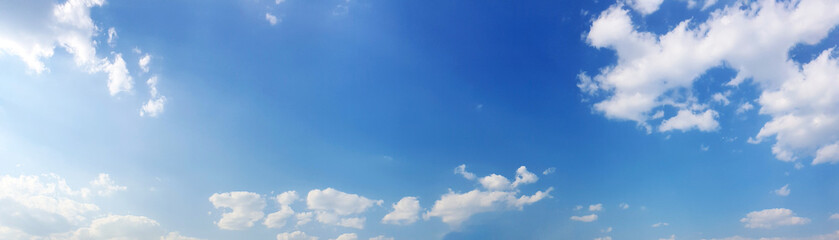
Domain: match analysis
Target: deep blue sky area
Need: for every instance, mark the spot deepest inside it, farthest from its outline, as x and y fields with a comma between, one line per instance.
x=384, y=99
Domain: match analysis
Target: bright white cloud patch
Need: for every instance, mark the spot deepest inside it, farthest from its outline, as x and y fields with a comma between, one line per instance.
x=455, y=208
x=687, y=120
x=245, y=209
x=332, y=206
x=347, y=236
x=278, y=219
x=405, y=212
x=156, y=103
x=595, y=207
x=770, y=218
x=586, y=218
x=119, y=80
x=105, y=186
x=296, y=235
x=645, y=7
x=657, y=71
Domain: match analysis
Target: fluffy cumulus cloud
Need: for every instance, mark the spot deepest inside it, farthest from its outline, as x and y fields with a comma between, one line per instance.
x=405, y=212
x=296, y=235
x=245, y=209
x=333, y=207
x=655, y=73
x=454, y=208
x=46, y=207
x=347, y=236
x=645, y=7
x=278, y=219
x=771, y=218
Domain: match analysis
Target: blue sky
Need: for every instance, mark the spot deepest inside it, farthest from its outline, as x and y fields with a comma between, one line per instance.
x=367, y=119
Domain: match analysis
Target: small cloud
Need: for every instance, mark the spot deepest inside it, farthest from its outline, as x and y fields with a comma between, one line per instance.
x=607, y=230
x=704, y=148
x=578, y=207
x=770, y=218
x=462, y=171
x=661, y=224
x=549, y=171
x=745, y=107
x=623, y=206
x=596, y=207
x=479, y=107
x=783, y=191
x=835, y=216
x=271, y=19
x=586, y=218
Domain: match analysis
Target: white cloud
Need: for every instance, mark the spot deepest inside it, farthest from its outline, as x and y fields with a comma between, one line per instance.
x=745, y=107
x=381, y=237
x=721, y=98
x=155, y=105
x=278, y=218
x=119, y=80
x=46, y=207
x=829, y=236
x=144, y=62
x=607, y=230
x=42, y=204
x=331, y=205
x=287, y=198
x=835, y=216
x=645, y=7
x=549, y=171
x=783, y=191
x=112, y=36
x=770, y=218
x=654, y=71
x=246, y=208
x=524, y=177
x=296, y=235
x=455, y=208
x=405, y=212
x=462, y=171
x=708, y=4
x=495, y=182
x=271, y=19
x=105, y=185
x=578, y=207
x=827, y=154
x=623, y=206
x=596, y=207
x=347, y=236
x=661, y=224
x=686, y=120
x=304, y=217
x=586, y=218
x=603, y=238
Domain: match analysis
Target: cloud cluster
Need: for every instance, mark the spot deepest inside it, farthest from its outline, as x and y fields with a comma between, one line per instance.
x=498, y=193
x=34, y=30
x=771, y=218
x=245, y=209
x=46, y=207
x=655, y=73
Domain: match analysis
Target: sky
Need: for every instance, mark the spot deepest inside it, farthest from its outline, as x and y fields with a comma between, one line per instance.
x=371, y=119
